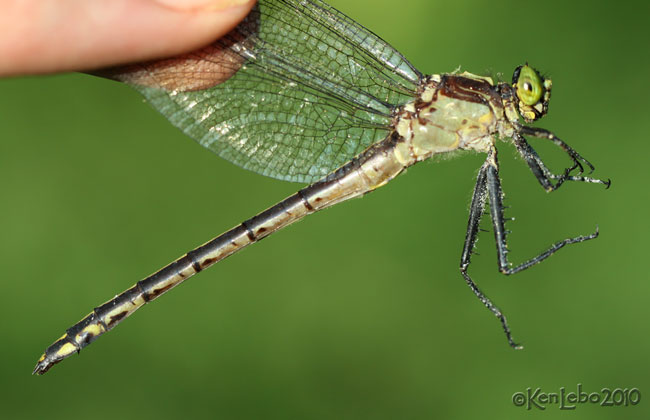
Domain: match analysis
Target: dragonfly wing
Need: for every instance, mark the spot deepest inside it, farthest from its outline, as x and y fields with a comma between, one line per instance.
x=293, y=92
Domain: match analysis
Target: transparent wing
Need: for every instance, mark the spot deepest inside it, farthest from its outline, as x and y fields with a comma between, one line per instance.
x=293, y=92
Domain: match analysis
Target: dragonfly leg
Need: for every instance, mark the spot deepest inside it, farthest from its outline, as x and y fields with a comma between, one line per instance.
x=477, y=208
x=498, y=221
x=539, y=169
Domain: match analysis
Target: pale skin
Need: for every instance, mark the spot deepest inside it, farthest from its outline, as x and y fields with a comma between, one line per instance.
x=48, y=36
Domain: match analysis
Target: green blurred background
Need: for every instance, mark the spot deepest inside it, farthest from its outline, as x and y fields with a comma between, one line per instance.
x=359, y=311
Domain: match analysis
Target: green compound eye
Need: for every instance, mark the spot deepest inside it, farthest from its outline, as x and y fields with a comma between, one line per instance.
x=530, y=87
x=532, y=93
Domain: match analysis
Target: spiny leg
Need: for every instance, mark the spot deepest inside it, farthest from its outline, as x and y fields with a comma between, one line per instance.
x=476, y=211
x=539, y=169
x=545, y=134
x=498, y=221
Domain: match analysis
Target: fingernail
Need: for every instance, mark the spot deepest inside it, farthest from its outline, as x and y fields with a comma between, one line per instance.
x=202, y=4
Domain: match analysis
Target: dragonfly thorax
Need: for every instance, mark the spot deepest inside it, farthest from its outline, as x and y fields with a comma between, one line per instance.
x=449, y=116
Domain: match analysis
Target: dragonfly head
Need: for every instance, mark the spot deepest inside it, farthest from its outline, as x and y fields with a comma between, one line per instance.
x=532, y=92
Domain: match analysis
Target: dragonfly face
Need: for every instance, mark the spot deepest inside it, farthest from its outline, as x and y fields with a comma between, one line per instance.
x=532, y=92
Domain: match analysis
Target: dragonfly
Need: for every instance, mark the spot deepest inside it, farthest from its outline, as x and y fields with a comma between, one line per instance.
x=300, y=92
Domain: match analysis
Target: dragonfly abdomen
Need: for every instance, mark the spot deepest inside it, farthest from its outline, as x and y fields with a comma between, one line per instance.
x=372, y=169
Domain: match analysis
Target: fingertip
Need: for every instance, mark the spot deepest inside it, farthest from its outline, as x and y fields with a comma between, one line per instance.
x=72, y=35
